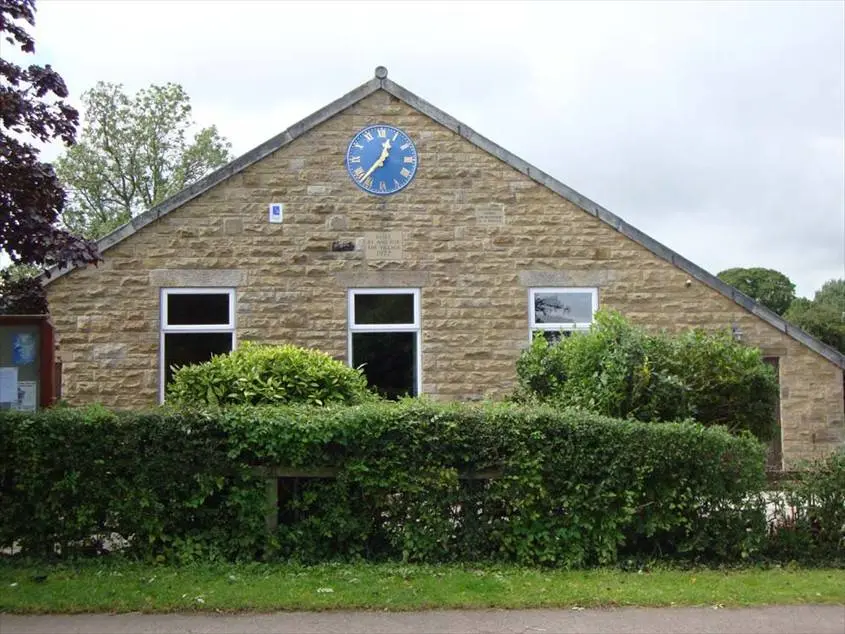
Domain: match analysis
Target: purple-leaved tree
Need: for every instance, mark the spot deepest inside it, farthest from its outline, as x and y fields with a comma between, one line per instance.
x=33, y=107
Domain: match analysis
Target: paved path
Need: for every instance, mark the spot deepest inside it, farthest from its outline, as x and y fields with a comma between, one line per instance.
x=775, y=619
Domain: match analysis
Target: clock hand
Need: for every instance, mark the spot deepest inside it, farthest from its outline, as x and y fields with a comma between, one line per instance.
x=372, y=169
x=385, y=151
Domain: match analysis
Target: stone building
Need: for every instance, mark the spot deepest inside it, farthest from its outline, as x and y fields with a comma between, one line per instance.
x=381, y=230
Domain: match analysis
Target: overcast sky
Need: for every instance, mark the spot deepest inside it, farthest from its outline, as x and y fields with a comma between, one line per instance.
x=717, y=127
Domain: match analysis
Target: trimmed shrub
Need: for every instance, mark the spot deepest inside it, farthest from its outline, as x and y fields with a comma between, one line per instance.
x=808, y=519
x=413, y=480
x=256, y=374
x=623, y=371
x=72, y=479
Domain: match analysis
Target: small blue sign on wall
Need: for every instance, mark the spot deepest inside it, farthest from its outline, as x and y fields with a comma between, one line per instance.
x=23, y=349
x=277, y=212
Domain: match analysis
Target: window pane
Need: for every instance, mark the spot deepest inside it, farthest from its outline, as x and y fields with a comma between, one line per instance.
x=390, y=308
x=200, y=309
x=563, y=308
x=389, y=360
x=188, y=348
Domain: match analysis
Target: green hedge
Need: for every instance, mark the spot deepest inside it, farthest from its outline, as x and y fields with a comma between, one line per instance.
x=570, y=488
x=165, y=479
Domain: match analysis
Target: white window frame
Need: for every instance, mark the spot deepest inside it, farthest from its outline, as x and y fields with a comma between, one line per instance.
x=166, y=328
x=533, y=326
x=410, y=327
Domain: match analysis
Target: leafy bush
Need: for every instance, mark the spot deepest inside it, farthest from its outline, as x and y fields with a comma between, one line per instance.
x=560, y=487
x=73, y=478
x=808, y=519
x=623, y=371
x=21, y=292
x=256, y=374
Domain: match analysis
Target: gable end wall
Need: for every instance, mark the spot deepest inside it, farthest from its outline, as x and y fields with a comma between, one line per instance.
x=291, y=287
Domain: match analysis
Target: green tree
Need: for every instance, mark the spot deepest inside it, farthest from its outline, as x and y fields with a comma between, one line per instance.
x=769, y=287
x=134, y=152
x=824, y=315
x=832, y=293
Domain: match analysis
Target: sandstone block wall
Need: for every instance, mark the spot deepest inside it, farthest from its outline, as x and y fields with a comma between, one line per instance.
x=474, y=275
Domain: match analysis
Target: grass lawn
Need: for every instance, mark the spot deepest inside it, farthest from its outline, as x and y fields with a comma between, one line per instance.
x=111, y=586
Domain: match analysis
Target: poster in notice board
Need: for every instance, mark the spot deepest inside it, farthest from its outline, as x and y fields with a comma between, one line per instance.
x=8, y=385
x=23, y=348
x=27, y=392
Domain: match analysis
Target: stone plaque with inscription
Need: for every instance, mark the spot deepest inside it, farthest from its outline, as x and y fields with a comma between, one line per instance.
x=492, y=215
x=384, y=245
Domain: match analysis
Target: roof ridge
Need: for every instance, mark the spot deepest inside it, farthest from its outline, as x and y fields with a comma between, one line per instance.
x=381, y=82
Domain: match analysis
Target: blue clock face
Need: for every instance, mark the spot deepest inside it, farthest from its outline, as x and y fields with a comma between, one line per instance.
x=381, y=160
